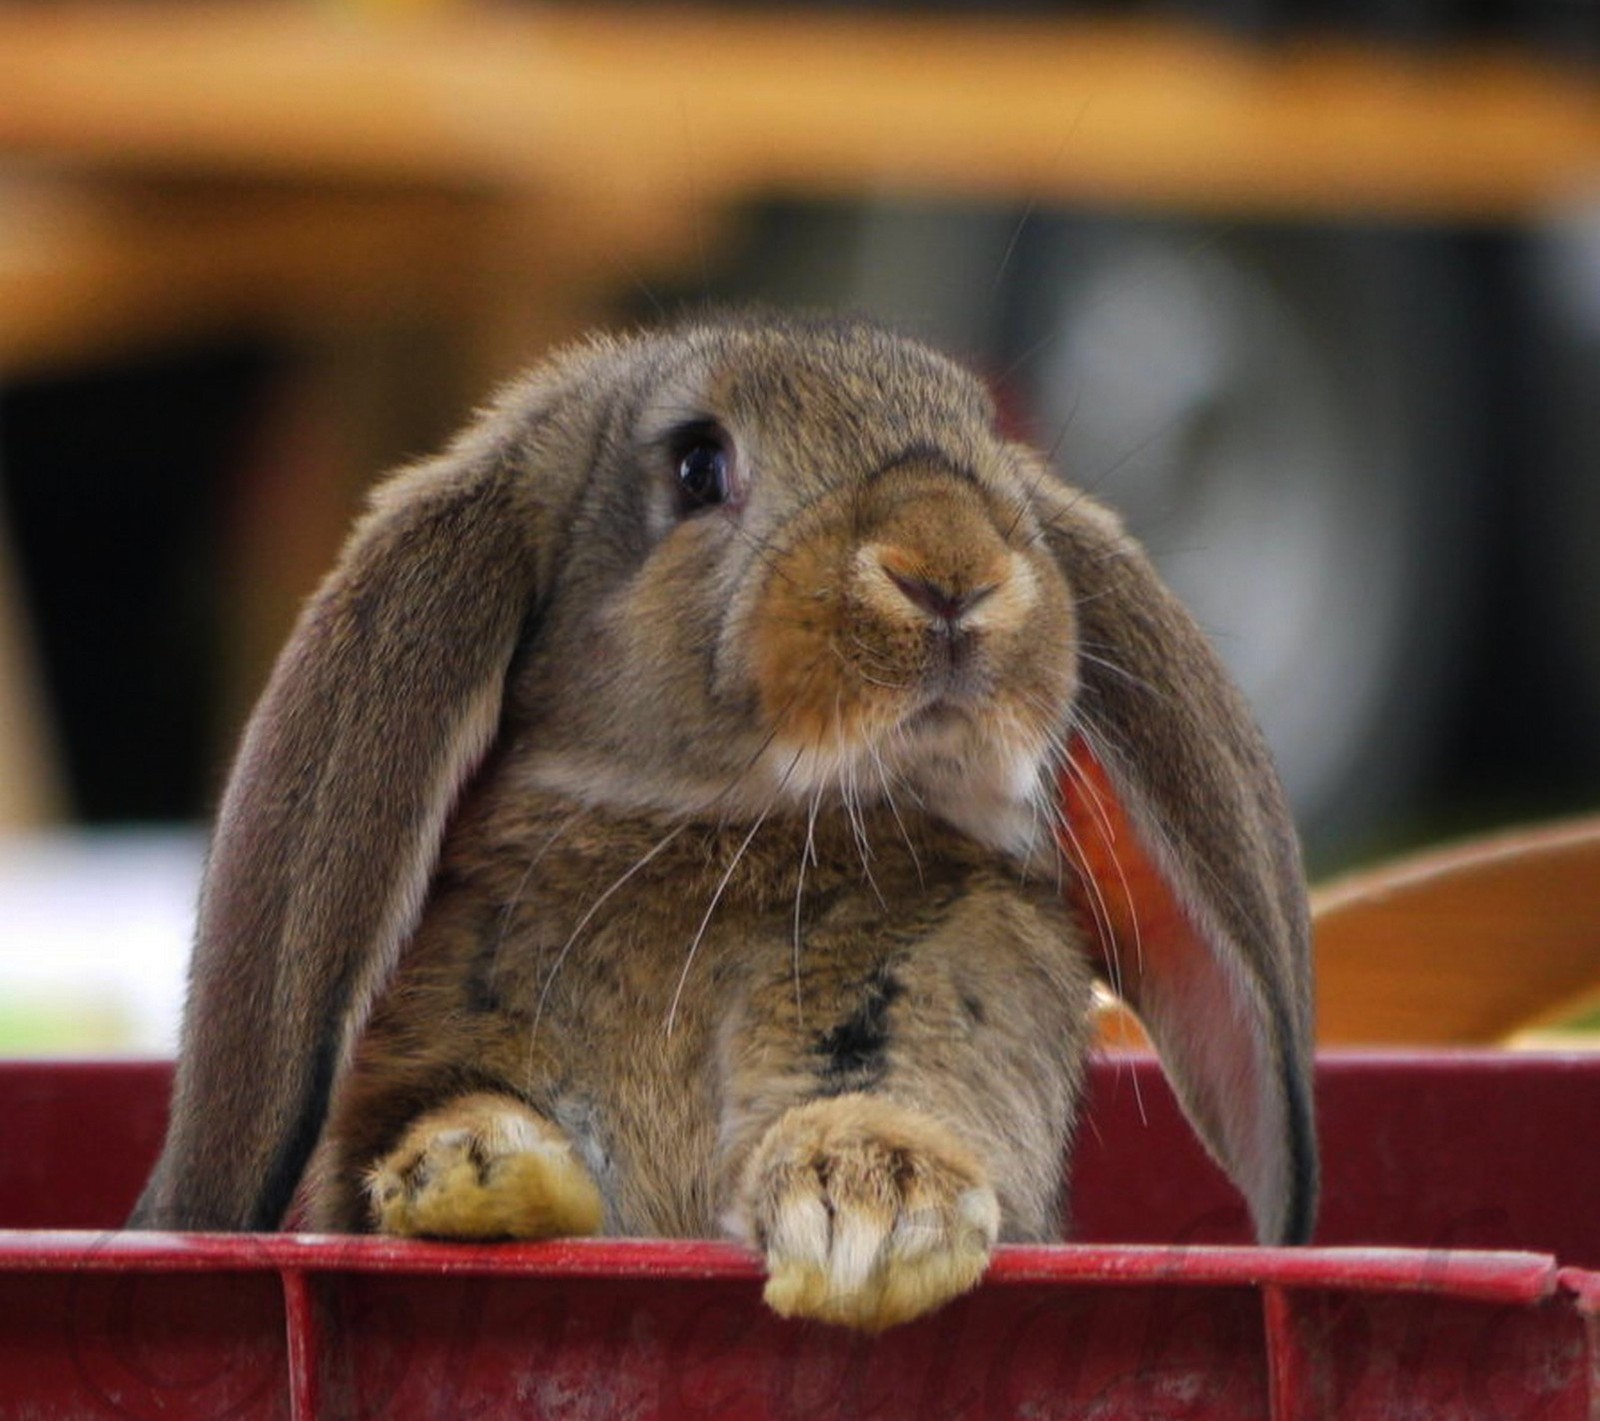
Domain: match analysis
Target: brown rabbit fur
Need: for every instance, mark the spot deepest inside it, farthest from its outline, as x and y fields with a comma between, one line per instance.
x=653, y=828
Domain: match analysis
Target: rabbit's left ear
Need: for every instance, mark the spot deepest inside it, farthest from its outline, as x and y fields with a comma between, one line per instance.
x=1188, y=867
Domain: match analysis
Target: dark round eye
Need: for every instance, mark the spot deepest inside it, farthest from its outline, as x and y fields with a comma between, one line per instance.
x=705, y=472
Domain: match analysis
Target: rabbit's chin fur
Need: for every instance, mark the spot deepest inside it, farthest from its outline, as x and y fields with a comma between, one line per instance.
x=997, y=789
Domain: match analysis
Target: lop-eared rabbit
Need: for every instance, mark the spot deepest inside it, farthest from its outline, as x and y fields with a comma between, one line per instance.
x=702, y=800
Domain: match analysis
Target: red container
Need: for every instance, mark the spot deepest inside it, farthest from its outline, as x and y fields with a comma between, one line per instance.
x=1452, y=1279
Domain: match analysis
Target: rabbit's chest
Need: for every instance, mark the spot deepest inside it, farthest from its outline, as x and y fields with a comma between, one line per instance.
x=627, y=940
x=656, y=937
x=654, y=990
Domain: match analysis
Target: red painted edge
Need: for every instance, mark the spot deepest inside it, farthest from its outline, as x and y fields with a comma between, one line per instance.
x=1286, y=1359
x=1482, y=1275
x=303, y=1335
x=1584, y=1285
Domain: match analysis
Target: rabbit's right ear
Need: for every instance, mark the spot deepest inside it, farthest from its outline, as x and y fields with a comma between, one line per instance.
x=381, y=706
x=1187, y=866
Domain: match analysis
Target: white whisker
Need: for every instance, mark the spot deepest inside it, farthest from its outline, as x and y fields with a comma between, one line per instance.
x=586, y=919
x=716, y=897
x=808, y=854
x=894, y=809
x=504, y=926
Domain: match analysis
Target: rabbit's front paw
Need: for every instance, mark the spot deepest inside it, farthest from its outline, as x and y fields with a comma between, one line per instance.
x=483, y=1166
x=869, y=1214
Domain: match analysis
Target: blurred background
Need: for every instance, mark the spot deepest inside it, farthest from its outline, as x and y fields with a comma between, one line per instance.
x=1309, y=290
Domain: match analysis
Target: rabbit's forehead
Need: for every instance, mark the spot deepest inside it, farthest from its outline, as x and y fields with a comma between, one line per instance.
x=847, y=394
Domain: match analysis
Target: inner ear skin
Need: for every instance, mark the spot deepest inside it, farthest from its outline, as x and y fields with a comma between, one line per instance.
x=1187, y=769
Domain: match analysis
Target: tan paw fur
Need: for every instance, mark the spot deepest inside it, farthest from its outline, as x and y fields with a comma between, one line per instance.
x=482, y=1167
x=869, y=1214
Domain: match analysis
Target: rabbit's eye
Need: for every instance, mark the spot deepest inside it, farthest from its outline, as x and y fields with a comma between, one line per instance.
x=705, y=471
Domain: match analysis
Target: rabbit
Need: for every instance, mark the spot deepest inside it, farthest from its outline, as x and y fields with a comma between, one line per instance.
x=704, y=799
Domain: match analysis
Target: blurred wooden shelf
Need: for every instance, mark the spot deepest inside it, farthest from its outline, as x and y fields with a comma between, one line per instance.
x=89, y=270
x=173, y=171
x=1489, y=942
x=710, y=105
x=1468, y=944
x=1493, y=941
x=358, y=163
x=92, y=267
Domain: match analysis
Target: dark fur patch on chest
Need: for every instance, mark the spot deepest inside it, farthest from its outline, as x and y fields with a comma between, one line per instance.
x=854, y=1052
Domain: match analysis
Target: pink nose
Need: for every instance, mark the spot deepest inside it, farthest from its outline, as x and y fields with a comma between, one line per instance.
x=948, y=605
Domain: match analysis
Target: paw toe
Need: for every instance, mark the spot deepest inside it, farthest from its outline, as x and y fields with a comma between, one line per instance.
x=479, y=1170
x=869, y=1215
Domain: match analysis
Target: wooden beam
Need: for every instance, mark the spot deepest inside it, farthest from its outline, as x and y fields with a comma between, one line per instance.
x=1157, y=115
x=1462, y=945
x=92, y=271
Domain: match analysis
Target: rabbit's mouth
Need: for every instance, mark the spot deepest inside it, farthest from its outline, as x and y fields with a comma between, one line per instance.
x=897, y=635
x=981, y=762
x=937, y=718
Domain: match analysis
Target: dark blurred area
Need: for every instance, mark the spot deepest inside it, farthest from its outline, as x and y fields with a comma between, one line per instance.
x=116, y=481
x=1555, y=22
x=1366, y=451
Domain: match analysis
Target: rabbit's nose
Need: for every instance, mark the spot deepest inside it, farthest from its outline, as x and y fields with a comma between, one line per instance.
x=947, y=604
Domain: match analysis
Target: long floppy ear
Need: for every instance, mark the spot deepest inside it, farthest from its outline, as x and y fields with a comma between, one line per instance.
x=1188, y=868
x=383, y=703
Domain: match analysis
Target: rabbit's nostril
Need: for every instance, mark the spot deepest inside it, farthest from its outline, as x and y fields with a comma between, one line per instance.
x=949, y=605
